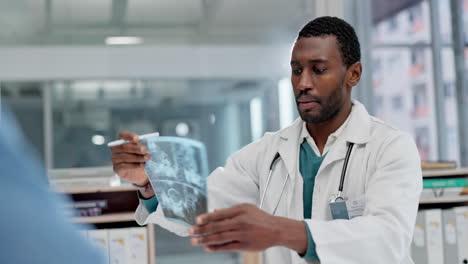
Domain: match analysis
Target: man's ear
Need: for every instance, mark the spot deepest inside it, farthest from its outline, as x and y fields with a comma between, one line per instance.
x=354, y=74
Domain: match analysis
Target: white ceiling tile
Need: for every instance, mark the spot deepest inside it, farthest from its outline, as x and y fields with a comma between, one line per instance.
x=258, y=12
x=164, y=12
x=21, y=17
x=82, y=12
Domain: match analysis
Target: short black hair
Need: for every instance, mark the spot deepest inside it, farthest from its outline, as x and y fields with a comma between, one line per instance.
x=346, y=37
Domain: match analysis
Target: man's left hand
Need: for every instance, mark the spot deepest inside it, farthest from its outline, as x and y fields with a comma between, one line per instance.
x=246, y=228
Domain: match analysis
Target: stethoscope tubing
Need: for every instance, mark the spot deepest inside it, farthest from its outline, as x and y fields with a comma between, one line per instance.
x=340, y=187
x=275, y=159
x=343, y=172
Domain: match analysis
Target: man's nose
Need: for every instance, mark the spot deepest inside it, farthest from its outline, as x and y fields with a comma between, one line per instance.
x=306, y=81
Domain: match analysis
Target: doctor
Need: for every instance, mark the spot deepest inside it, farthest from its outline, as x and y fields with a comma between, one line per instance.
x=337, y=186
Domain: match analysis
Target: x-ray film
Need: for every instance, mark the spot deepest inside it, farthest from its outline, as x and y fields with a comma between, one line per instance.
x=177, y=171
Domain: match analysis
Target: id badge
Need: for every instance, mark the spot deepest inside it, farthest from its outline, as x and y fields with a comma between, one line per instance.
x=339, y=210
x=356, y=207
x=347, y=209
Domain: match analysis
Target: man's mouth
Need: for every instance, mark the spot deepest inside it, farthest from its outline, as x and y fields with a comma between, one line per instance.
x=307, y=104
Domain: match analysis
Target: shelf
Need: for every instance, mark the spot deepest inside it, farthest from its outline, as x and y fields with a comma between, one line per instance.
x=74, y=173
x=102, y=189
x=108, y=218
x=445, y=172
x=441, y=200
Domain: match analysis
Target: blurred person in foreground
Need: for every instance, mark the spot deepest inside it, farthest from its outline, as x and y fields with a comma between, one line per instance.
x=33, y=227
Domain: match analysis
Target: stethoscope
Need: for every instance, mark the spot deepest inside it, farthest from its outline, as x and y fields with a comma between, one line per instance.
x=275, y=160
x=337, y=197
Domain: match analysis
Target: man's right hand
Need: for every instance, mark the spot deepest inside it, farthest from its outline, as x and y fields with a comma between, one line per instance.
x=129, y=160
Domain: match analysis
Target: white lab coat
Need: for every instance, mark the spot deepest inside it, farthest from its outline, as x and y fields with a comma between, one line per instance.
x=384, y=169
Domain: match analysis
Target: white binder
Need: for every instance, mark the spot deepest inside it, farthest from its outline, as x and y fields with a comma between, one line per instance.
x=99, y=239
x=462, y=233
x=419, y=246
x=449, y=224
x=138, y=246
x=118, y=245
x=434, y=237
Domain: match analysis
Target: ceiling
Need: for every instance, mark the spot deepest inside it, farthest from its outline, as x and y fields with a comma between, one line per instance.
x=66, y=22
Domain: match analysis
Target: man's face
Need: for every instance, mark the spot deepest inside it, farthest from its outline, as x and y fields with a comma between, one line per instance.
x=318, y=78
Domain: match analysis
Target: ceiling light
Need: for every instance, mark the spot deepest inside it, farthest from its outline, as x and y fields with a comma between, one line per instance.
x=98, y=140
x=182, y=129
x=212, y=118
x=124, y=40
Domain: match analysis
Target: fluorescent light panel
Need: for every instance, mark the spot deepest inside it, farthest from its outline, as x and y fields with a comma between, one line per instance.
x=256, y=118
x=286, y=99
x=124, y=40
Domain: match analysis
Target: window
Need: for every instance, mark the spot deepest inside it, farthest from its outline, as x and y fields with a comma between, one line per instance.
x=86, y=114
x=465, y=19
x=397, y=25
x=450, y=103
x=408, y=88
x=397, y=103
x=25, y=100
x=403, y=74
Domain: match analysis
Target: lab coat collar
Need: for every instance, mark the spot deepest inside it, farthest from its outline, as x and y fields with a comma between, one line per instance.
x=358, y=131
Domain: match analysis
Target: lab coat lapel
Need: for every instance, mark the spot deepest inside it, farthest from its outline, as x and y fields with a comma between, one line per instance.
x=336, y=153
x=356, y=131
x=289, y=147
x=289, y=151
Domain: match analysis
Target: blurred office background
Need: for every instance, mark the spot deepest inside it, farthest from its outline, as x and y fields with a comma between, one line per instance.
x=76, y=73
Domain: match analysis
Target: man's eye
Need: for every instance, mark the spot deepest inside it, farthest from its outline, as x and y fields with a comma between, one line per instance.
x=319, y=70
x=296, y=71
